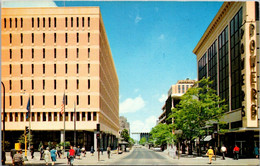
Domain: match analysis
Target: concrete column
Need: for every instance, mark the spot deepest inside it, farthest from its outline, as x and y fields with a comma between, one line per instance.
x=95, y=141
x=62, y=136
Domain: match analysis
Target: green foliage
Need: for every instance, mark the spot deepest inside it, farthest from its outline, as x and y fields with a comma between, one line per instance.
x=161, y=134
x=131, y=141
x=142, y=141
x=199, y=106
x=22, y=138
x=67, y=144
x=125, y=135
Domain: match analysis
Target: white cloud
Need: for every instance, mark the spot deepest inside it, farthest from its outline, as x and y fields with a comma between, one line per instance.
x=143, y=126
x=138, y=19
x=161, y=37
x=131, y=105
x=31, y=3
x=163, y=98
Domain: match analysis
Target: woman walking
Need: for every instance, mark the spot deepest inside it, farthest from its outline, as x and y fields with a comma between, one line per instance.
x=53, y=155
x=47, y=156
x=210, y=153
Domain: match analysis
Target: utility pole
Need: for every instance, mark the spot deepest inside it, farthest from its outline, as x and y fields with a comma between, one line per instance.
x=3, y=148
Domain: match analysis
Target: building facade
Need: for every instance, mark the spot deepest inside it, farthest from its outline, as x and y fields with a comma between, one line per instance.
x=228, y=53
x=124, y=124
x=51, y=52
x=174, y=97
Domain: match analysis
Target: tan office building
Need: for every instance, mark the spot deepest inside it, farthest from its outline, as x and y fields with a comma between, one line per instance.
x=47, y=52
x=228, y=53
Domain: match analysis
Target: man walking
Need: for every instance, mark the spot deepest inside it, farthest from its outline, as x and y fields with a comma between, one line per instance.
x=236, y=152
x=18, y=158
x=108, y=151
x=223, y=151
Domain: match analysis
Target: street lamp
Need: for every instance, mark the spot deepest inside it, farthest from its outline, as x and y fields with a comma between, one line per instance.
x=3, y=117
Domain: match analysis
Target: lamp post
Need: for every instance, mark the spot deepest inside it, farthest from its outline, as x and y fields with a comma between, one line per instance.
x=3, y=148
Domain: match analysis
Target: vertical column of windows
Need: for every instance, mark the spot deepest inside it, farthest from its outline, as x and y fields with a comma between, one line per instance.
x=55, y=22
x=77, y=99
x=88, y=37
x=55, y=53
x=32, y=53
x=55, y=37
x=10, y=69
x=66, y=22
x=77, y=52
x=66, y=84
x=88, y=68
x=43, y=22
x=55, y=84
x=43, y=53
x=4, y=22
x=55, y=69
x=10, y=19
x=21, y=100
x=66, y=68
x=15, y=22
x=21, y=68
x=88, y=21
x=10, y=38
x=21, y=38
x=77, y=21
x=32, y=22
x=83, y=22
x=77, y=37
x=55, y=101
x=77, y=84
x=21, y=22
x=77, y=68
x=88, y=52
x=49, y=22
x=212, y=65
x=32, y=37
x=66, y=37
x=10, y=84
x=38, y=22
x=43, y=37
x=32, y=84
x=202, y=64
x=32, y=68
x=10, y=100
x=11, y=53
x=66, y=53
x=21, y=52
x=43, y=68
x=88, y=83
x=71, y=22
x=43, y=84
x=32, y=100
x=43, y=100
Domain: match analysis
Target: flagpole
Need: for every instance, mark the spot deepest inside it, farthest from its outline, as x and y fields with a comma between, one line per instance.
x=74, y=124
x=64, y=103
x=29, y=121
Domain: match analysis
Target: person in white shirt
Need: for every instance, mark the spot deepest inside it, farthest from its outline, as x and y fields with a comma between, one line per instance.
x=223, y=151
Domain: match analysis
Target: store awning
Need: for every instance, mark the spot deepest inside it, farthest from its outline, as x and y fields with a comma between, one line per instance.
x=207, y=138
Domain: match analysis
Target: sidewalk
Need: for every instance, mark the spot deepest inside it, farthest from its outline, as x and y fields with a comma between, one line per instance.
x=88, y=160
x=205, y=160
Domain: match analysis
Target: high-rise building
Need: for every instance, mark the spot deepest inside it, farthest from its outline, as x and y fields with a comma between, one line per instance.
x=228, y=53
x=51, y=52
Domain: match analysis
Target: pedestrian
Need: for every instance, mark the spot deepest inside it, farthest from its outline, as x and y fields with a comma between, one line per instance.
x=18, y=158
x=68, y=157
x=236, y=152
x=58, y=150
x=61, y=151
x=92, y=150
x=83, y=150
x=72, y=155
x=32, y=151
x=256, y=151
x=47, y=156
x=210, y=153
x=78, y=152
x=41, y=152
x=101, y=149
x=108, y=151
x=12, y=153
x=223, y=151
x=53, y=155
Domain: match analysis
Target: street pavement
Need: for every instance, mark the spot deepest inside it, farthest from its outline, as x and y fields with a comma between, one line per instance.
x=138, y=156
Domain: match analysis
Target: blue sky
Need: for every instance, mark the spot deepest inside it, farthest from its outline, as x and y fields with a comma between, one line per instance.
x=151, y=43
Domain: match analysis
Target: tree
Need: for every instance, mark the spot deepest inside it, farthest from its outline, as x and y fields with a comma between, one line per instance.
x=199, y=106
x=125, y=135
x=142, y=141
x=161, y=134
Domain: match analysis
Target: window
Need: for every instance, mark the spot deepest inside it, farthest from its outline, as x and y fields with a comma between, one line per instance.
x=55, y=68
x=66, y=68
x=10, y=117
x=16, y=117
x=5, y=22
x=11, y=53
x=212, y=65
x=43, y=84
x=55, y=100
x=55, y=20
x=66, y=84
x=49, y=116
x=71, y=22
x=10, y=36
x=88, y=52
x=38, y=116
x=88, y=99
x=10, y=84
x=49, y=22
x=21, y=22
x=21, y=100
x=32, y=100
x=21, y=38
x=77, y=99
x=33, y=117
x=77, y=37
x=77, y=22
x=21, y=84
x=88, y=37
x=83, y=116
x=15, y=22
x=10, y=22
x=32, y=37
x=21, y=117
x=61, y=117
x=43, y=37
x=66, y=53
x=10, y=69
x=94, y=116
x=55, y=116
x=21, y=68
x=32, y=84
x=44, y=116
x=83, y=21
x=88, y=21
x=66, y=98
x=88, y=68
x=32, y=53
x=77, y=116
x=55, y=84
x=10, y=100
x=32, y=68
x=38, y=22
x=183, y=89
x=21, y=52
x=66, y=37
x=202, y=65
x=77, y=52
x=179, y=89
x=43, y=53
x=32, y=22
x=55, y=36
x=89, y=116
x=77, y=86
x=43, y=100
x=43, y=68
x=77, y=68
x=66, y=22
x=43, y=22
x=55, y=53
x=88, y=83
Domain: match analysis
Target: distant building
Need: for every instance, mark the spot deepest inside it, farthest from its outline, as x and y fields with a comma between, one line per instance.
x=124, y=124
x=174, y=96
x=228, y=53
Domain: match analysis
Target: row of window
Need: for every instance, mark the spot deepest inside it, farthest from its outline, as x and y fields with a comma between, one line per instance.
x=43, y=84
x=50, y=116
x=183, y=88
x=44, y=37
x=43, y=68
x=44, y=52
x=43, y=100
x=42, y=22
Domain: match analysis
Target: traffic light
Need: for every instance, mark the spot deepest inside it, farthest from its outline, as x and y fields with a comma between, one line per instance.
x=98, y=135
x=26, y=130
x=98, y=127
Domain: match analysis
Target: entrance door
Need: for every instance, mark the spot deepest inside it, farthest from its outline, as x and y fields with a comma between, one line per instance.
x=242, y=147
